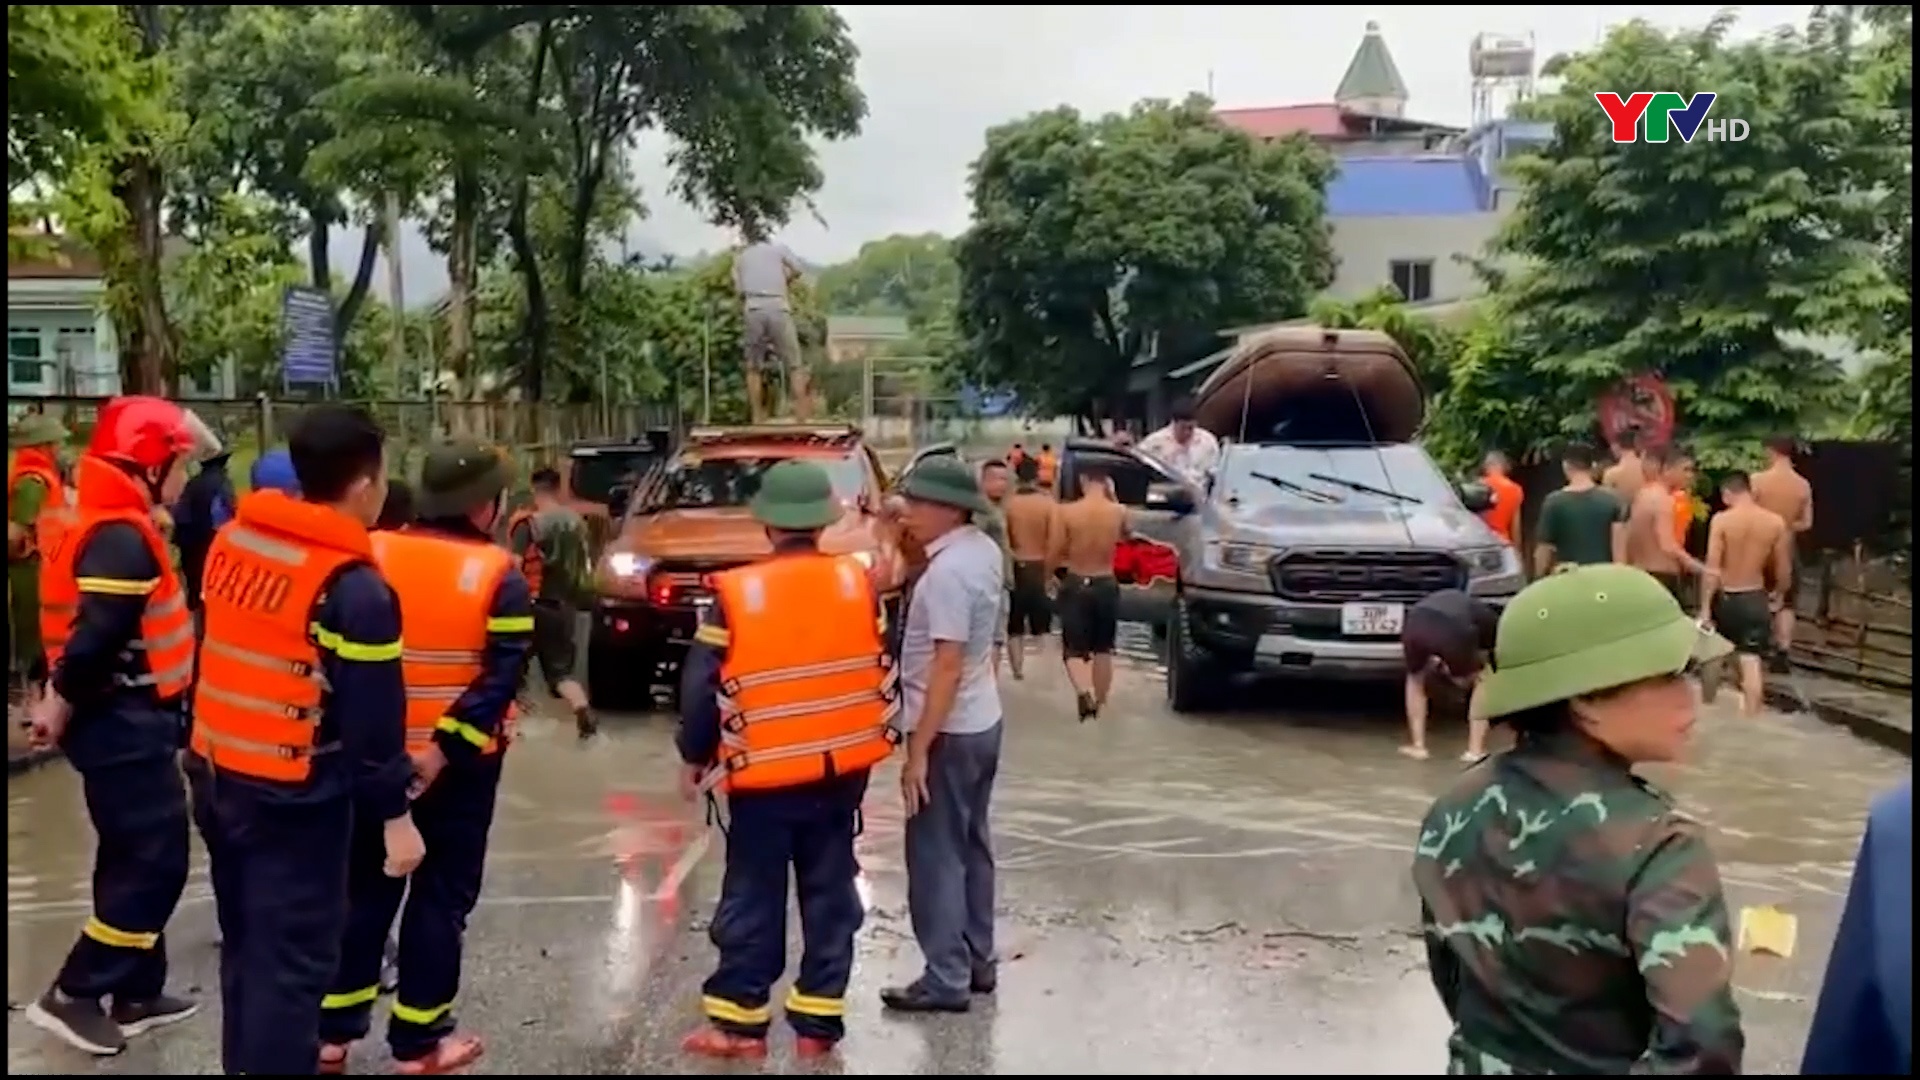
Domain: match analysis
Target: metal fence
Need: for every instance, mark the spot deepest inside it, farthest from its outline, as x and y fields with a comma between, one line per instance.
x=531, y=433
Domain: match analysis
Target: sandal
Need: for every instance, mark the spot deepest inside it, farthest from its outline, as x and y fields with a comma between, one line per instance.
x=333, y=1059
x=455, y=1052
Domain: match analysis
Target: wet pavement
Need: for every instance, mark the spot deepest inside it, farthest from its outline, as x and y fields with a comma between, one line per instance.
x=1220, y=895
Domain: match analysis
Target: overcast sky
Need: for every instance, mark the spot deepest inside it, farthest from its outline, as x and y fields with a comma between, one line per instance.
x=936, y=77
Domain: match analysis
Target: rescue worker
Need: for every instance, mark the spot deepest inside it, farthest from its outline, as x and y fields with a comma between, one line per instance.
x=469, y=628
x=38, y=512
x=1627, y=473
x=1574, y=919
x=1089, y=529
x=205, y=505
x=550, y=540
x=1503, y=517
x=1780, y=488
x=1582, y=522
x=789, y=724
x=398, y=511
x=1049, y=465
x=1749, y=563
x=1030, y=526
x=297, y=734
x=1650, y=542
x=119, y=644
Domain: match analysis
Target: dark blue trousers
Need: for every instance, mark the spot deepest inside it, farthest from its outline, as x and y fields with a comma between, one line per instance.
x=454, y=816
x=280, y=891
x=808, y=832
x=139, y=813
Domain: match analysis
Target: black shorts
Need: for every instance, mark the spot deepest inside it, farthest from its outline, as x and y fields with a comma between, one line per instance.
x=1428, y=637
x=1029, y=608
x=1089, y=615
x=553, y=640
x=1746, y=619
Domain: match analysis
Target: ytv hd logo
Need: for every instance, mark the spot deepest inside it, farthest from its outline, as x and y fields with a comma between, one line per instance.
x=1666, y=111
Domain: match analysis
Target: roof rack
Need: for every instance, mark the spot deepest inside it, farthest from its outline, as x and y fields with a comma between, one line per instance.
x=816, y=433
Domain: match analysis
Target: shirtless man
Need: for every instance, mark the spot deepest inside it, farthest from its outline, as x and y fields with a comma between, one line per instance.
x=1780, y=488
x=1030, y=527
x=1649, y=538
x=1627, y=473
x=1749, y=549
x=1090, y=528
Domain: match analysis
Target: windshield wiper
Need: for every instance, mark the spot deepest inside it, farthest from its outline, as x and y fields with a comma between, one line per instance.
x=1288, y=485
x=1364, y=489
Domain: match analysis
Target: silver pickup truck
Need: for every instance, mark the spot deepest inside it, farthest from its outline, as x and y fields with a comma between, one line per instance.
x=1302, y=559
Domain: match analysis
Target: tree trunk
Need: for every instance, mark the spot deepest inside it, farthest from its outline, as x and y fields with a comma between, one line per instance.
x=461, y=271
x=318, y=233
x=533, y=363
x=349, y=308
x=147, y=359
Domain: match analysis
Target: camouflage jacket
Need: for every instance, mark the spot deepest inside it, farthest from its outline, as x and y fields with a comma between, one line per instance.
x=1574, y=921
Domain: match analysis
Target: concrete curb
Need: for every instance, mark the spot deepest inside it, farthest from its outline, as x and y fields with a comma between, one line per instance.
x=1874, y=729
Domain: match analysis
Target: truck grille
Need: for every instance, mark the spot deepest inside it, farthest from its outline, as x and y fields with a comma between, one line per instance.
x=682, y=584
x=1329, y=576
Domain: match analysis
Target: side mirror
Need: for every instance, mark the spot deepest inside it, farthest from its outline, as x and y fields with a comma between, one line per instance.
x=1173, y=498
x=617, y=499
x=1476, y=497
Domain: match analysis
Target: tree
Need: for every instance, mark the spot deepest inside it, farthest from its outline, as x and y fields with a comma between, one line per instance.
x=914, y=277
x=1099, y=241
x=1688, y=260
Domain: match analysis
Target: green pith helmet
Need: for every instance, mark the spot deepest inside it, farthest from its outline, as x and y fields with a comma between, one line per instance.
x=1590, y=629
x=796, y=496
x=457, y=477
x=948, y=481
x=36, y=429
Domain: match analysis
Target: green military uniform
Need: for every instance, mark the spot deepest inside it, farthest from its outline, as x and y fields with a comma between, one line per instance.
x=1573, y=916
x=25, y=501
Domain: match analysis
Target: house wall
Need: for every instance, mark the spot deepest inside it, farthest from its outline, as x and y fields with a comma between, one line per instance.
x=61, y=343
x=1366, y=248
x=58, y=339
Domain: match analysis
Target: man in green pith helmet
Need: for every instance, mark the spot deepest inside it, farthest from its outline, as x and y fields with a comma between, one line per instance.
x=1573, y=916
x=36, y=500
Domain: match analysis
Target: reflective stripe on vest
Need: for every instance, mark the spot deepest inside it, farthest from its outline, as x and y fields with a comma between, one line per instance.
x=796, y=707
x=446, y=588
x=166, y=627
x=262, y=690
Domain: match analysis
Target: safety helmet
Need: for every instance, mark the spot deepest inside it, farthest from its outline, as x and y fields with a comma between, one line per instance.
x=150, y=433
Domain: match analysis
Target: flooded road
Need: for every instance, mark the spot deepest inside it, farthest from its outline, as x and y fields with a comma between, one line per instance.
x=1219, y=895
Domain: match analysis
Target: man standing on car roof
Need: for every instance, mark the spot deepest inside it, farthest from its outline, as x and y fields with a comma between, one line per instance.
x=298, y=732
x=469, y=626
x=120, y=645
x=550, y=539
x=762, y=272
x=789, y=724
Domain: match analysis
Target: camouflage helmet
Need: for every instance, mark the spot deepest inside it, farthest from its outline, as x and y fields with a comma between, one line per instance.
x=1588, y=629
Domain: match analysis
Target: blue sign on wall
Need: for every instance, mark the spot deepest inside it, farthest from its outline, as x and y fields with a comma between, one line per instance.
x=989, y=403
x=306, y=337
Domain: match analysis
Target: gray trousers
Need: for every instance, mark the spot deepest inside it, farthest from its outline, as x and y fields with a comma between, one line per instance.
x=950, y=887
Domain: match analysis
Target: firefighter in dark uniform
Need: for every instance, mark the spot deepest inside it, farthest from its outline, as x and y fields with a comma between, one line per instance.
x=119, y=641
x=469, y=627
x=788, y=701
x=297, y=731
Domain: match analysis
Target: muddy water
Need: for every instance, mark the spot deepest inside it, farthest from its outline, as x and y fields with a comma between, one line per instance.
x=1217, y=895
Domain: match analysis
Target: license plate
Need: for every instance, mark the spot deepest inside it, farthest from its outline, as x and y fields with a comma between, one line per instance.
x=1372, y=620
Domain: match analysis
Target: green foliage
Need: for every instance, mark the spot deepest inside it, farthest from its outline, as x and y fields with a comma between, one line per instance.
x=1689, y=260
x=224, y=293
x=914, y=277
x=1094, y=239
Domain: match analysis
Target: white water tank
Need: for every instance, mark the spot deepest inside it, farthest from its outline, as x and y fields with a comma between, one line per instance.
x=1501, y=56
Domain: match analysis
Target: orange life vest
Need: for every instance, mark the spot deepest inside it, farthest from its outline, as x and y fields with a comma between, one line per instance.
x=56, y=513
x=1503, y=517
x=1682, y=516
x=1048, y=465
x=446, y=588
x=807, y=689
x=258, y=706
x=532, y=563
x=166, y=628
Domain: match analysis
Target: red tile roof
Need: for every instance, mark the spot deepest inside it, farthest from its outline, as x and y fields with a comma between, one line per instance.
x=1327, y=121
x=60, y=258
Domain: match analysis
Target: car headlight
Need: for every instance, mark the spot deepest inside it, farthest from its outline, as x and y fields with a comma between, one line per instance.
x=1499, y=561
x=627, y=564
x=1239, y=558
